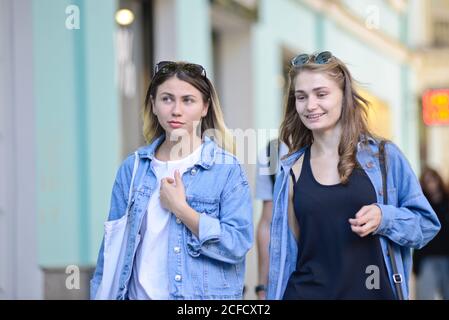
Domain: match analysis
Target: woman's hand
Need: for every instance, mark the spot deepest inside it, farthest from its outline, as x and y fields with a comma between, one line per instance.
x=172, y=194
x=367, y=220
x=173, y=198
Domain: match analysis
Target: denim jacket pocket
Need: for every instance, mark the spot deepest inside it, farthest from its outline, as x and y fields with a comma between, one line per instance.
x=216, y=277
x=223, y=279
x=206, y=206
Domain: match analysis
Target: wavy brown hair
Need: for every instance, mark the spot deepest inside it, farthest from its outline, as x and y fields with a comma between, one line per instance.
x=353, y=115
x=212, y=124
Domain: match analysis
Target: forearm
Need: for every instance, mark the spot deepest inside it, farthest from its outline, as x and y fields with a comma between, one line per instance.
x=189, y=217
x=411, y=227
x=263, y=242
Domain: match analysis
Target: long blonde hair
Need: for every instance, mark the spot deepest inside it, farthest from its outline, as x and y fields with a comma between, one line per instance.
x=212, y=124
x=353, y=115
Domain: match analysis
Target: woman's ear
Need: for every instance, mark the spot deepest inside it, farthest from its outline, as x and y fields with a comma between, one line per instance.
x=152, y=104
x=205, y=108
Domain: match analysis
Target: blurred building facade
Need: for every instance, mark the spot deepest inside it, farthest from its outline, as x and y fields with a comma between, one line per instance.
x=73, y=80
x=432, y=49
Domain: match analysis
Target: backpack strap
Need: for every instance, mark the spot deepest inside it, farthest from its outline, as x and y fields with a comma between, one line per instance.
x=397, y=277
x=272, y=151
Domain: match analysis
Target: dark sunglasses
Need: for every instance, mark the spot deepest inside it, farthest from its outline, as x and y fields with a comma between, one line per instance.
x=319, y=58
x=192, y=69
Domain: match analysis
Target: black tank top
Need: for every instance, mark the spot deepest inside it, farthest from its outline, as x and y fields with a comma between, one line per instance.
x=334, y=262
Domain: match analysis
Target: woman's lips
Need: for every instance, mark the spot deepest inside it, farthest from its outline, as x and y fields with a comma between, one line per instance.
x=314, y=117
x=175, y=124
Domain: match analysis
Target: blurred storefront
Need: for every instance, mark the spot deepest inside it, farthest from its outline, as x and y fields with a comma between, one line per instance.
x=432, y=49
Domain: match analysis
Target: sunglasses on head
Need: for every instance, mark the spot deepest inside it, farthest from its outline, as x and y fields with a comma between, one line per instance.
x=319, y=58
x=192, y=69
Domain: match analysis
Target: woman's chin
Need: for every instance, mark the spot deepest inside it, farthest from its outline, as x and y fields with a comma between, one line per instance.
x=316, y=127
x=321, y=128
x=177, y=133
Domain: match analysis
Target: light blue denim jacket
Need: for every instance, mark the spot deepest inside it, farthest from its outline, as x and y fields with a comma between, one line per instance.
x=210, y=266
x=408, y=220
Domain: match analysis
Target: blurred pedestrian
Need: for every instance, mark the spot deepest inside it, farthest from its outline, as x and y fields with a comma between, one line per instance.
x=265, y=178
x=331, y=229
x=431, y=263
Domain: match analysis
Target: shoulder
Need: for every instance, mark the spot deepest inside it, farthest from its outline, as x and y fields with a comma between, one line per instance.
x=394, y=154
x=225, y=157
x=396, y=161
x=129, y=160
x=126, y=167
x=392, y=151
x=228, y=162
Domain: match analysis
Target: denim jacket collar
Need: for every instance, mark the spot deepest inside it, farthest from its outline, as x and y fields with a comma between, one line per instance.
x=208, y=154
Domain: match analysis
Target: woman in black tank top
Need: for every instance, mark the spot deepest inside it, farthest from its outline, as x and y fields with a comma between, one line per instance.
x=344, y=225
x=334, y=262
x=334, y=200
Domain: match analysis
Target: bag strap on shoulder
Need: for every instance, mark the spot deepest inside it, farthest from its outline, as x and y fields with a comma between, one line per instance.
x=397, y=277
x=135, y=167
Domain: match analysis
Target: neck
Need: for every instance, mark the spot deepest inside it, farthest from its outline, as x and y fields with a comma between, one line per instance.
x=177, y=149
x=326, y=143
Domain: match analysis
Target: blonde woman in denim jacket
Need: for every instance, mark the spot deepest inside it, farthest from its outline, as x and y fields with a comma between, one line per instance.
x=189, y=225
x=330, y=228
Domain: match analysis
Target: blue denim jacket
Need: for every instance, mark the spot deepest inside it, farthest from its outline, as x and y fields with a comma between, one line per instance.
x=210, y=266
x=408, y=220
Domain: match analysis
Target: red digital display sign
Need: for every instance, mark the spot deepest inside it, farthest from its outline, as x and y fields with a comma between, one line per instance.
x=435, y=109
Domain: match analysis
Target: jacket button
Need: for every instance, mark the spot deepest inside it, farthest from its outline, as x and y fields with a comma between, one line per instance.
x=193, y=172
x=369, y=165
x=178, y=277
x=381, y=193
x=177, y=249
x=178, y=221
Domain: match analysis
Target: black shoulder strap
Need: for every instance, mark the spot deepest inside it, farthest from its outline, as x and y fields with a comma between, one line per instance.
x=273, y=158
x=292, y=174
x=397, y=277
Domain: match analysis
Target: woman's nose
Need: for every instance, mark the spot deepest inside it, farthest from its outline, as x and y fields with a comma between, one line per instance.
x=311, y=103
x=177, y=109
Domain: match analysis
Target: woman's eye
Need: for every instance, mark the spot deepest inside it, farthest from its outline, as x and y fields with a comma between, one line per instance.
x=322, y=94
x=300, y=98
x=188, y=100
x=166, y=99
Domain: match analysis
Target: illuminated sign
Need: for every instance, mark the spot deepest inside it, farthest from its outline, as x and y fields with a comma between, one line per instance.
x=436, y=107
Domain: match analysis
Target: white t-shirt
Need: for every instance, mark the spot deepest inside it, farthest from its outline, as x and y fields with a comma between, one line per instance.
x=149, y=278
